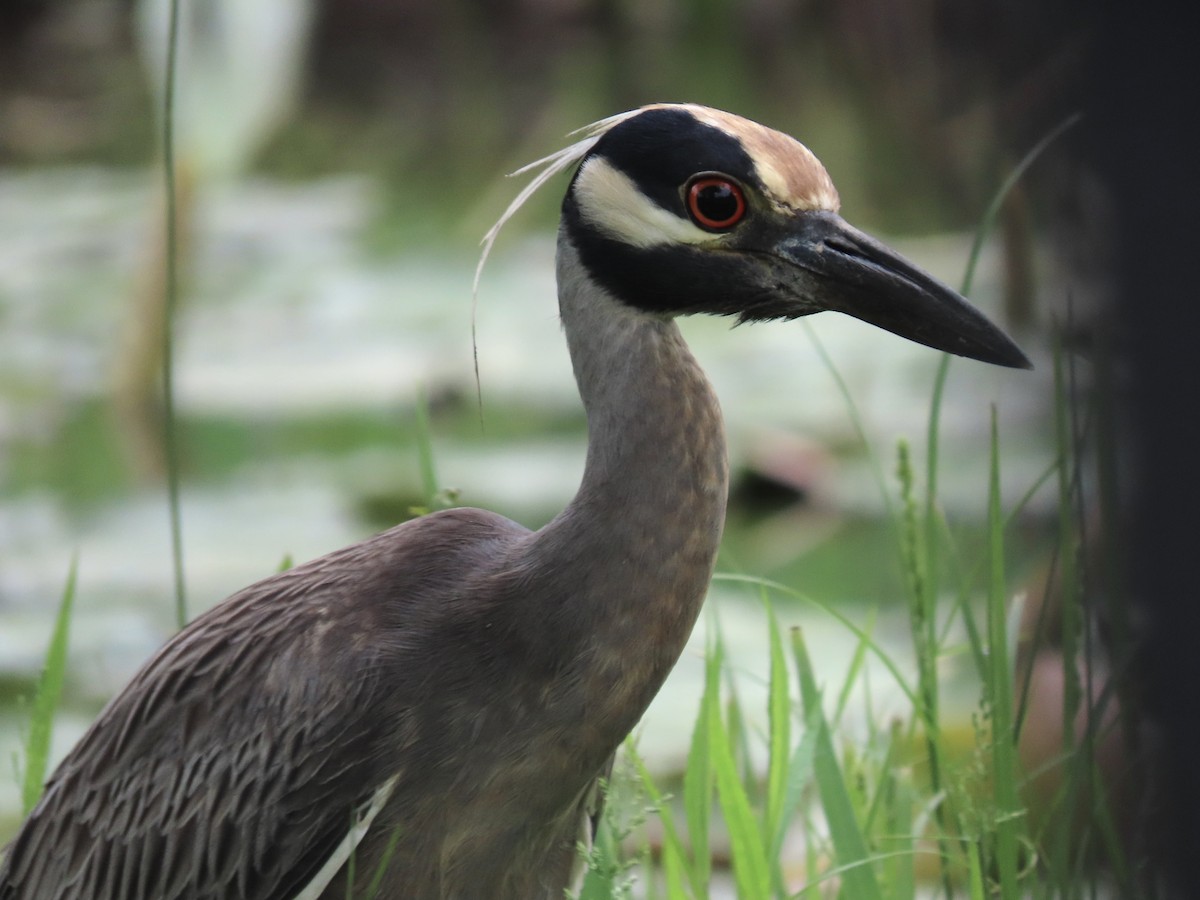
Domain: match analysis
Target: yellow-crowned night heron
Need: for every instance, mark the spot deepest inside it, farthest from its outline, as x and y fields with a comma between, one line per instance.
x=444, y=695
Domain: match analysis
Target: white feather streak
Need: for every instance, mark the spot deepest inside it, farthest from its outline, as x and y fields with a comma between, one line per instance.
x=353, y=838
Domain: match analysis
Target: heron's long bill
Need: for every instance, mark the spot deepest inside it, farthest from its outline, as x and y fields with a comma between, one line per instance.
x=863, y=278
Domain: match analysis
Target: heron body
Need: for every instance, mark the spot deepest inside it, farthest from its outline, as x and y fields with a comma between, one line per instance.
x=427, y=712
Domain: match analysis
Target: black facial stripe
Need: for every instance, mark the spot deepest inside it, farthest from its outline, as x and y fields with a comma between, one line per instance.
x=674, y=279
x=662, y=148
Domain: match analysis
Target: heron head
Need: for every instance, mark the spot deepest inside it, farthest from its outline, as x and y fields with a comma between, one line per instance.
x=678, y=209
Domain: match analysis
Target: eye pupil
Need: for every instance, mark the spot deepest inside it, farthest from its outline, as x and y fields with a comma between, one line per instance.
x=715, y=203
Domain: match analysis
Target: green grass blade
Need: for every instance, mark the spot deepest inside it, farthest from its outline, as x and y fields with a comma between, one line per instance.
x=779, y=717
x=855, y=416
x=1005, y=774
x=739, y=737
x=850, y=845
x=425, y=460
x=879, y=802
x=46, y=698
x=779, y=720
x=854, y=671
x=932, y=453
x=842, y=618
x=799, y=776
x=812, y=865
x=920, y=552
x=748, y=850
x=673, y=845
x=698, y=777
x=384, y=861
x=988, y=222
x=603, y=880
x=975, y=888
x=673, y=868
x=1070, y=606
x=898, y=797
x=1000, y=688
x=921, y=573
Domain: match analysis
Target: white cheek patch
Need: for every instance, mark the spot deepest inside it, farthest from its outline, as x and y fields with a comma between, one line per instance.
x=609, y=201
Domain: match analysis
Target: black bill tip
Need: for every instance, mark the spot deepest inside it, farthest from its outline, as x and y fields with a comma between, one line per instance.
x=862, y=278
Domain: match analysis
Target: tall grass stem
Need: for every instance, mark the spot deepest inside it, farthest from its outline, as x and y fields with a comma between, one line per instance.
x=1005, y=774
x=170, y=436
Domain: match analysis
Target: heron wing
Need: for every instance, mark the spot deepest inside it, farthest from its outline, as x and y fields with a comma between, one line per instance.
x=238, y=759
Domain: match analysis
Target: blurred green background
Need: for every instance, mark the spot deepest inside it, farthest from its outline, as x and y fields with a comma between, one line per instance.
x=339, y=162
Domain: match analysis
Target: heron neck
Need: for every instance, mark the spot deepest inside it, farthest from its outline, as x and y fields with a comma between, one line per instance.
x=638, y=542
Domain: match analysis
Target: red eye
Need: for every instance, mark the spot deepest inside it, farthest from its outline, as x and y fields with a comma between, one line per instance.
x=715, y=203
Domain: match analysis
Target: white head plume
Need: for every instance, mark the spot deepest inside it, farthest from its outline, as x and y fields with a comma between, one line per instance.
x=547, y=167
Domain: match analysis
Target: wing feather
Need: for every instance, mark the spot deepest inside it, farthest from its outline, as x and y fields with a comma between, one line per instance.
x=241, y=755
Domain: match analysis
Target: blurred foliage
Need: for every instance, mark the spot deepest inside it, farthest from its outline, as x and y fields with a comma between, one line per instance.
x=917, y=104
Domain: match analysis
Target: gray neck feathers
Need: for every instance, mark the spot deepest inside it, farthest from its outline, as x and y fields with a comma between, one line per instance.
x=632, y=555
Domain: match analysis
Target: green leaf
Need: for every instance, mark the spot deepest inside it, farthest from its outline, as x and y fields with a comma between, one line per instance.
x=839, y=616
x=674, y=851
x=698, y=778
x=45, y=700
x=850, y=845
x=1000, y=690
x=750, y=870
x=425, y=457
x=779, y=720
